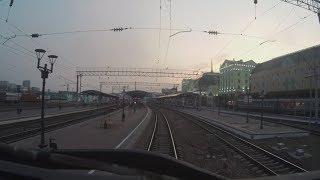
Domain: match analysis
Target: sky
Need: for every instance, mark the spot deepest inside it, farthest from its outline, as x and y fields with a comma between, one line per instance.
x=279, y=27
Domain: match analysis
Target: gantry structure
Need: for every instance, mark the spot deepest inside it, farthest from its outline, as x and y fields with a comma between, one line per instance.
x=134, y=72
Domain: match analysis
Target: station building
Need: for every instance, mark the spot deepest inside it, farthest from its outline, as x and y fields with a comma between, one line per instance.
x=208, y=84
x=188, y=85
x=291, y=75
x=235, y=76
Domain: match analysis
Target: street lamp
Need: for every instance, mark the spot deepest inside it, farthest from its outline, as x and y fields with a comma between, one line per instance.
x=262, y=106
x=248, y=96
x=123, y=114
x=219, y=104
x=45, y=71
x=19, y=109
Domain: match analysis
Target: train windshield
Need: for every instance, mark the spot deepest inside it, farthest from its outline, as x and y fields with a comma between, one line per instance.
x=214, y=89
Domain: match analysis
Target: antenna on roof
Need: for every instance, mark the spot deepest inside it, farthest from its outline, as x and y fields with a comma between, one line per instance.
x=211, y=66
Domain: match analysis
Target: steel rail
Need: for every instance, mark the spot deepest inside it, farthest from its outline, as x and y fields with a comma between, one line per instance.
x=153, y=136
x=153, y=132
x=270, y=171
x=171, y=137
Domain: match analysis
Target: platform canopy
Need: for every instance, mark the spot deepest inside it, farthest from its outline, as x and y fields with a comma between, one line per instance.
x=137, y=94
x=180, y=95
x=98, y=93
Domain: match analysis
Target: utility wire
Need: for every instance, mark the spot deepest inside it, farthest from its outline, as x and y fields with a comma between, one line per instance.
x=246, y=27
x=29, y=53
x=27, y=35
x=10, y=6
x=170, y=30
x=159, y=35
x=301, y=20
x=284, y=19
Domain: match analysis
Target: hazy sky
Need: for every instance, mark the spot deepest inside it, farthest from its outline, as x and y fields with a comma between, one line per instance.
x=283, y=24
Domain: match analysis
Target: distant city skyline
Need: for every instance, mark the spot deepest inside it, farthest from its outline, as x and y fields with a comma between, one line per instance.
x=25, y=85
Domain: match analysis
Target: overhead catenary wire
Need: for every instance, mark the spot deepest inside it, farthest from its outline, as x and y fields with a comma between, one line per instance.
x=301, y=20
x=32, y=40
x=13, y=50
x=170, y=31
x=261, y=43
x=10, y=6
x=30, y=54
x=245, y=28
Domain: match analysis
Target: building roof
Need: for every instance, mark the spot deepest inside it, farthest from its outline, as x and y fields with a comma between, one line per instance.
x=303, y=55
x=235, y=62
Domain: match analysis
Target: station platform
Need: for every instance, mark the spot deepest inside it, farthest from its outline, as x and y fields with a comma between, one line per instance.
x=31, y=118
x=29, y=113
x=251, y=130
x=280, y=117
x=93, y=134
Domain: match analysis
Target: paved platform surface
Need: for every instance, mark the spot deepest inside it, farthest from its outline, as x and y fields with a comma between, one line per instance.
x=9, y=115
x=30, y=118
x=251, y=130
x=92, y=135
x=285, y=117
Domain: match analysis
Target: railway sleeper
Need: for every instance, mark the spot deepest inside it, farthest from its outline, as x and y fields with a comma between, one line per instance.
x=284, y=170
x=255, y=169
x=276, y=167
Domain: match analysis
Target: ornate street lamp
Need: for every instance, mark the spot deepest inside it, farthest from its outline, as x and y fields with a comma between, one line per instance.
x=45, y=71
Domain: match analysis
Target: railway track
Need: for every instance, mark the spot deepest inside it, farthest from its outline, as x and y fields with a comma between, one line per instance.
x=21, y=130
x=162, y=140
x=261, y=161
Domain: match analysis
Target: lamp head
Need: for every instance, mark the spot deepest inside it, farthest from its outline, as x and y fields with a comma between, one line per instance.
x=52, y=60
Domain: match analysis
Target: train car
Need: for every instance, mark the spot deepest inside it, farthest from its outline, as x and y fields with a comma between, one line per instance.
x=11, y=97
x=285, y=106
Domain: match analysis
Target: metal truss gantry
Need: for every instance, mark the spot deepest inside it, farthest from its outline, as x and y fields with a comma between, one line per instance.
x=120, y=88
x=144, y=72
x=134, y=72
x=311, y=5
x=135, y=84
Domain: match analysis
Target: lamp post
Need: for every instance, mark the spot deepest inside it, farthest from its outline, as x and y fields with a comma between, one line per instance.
x=248, y=96
x=123, y=114
x=45, y=71
x=262, y=106
x=219, y=104
x=19, y=109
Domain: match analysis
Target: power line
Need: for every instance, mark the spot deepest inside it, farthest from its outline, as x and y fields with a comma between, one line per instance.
x=170, y=30
x=10, y=6
x=246, y=27
x=303, y=19
x=160, y=26
x=26, y=34
x=284, y=19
